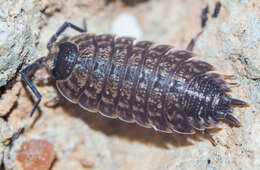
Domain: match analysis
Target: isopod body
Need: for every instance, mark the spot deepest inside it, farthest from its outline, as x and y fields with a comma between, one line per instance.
x=138, y=81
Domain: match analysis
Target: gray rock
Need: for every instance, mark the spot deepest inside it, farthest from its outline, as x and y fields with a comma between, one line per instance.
x=18, y=34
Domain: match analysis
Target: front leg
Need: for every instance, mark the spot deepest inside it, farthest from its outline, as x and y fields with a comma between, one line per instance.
x=63, y=28
x=39, y=63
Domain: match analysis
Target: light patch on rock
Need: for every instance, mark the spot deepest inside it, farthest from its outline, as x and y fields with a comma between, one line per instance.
x=126, y=24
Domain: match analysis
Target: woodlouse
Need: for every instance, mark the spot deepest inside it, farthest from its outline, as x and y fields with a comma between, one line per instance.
x=153, y=85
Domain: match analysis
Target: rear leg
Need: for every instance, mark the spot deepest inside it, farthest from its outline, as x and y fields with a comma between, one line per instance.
x=193, y=41
x=216, y=10
x=209, y=137
x=204, y=16
x=204, y=20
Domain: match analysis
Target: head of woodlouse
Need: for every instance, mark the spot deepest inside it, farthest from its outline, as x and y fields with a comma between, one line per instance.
x=63, y=57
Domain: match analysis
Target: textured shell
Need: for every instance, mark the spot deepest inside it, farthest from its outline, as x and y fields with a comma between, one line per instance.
x=152, y=85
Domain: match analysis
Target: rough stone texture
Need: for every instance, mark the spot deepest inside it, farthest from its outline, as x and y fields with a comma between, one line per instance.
x=229, y=42
x=9, y=98
x=18, y=33
x=18, y=37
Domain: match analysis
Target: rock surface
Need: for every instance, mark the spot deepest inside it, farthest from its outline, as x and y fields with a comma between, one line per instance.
x=35, y=154
x=82, y=140
x=18, y=34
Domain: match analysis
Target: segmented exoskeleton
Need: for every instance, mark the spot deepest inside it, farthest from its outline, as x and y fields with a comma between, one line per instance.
x=153, y=85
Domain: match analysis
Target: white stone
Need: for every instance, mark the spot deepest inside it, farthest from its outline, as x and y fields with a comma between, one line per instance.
x=126, y=24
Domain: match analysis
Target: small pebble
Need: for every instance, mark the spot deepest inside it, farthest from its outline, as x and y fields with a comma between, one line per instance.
x=36, y=155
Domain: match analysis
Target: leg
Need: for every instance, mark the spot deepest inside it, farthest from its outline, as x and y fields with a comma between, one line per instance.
x=24, y=73
x=39, y=63
x=209, y=137
x=204, y=19
x=232, y=120
x=192, y=42
x=15, y=136
x=204, y=16
x=64, y=26
x=85, y=25
x=217, y=9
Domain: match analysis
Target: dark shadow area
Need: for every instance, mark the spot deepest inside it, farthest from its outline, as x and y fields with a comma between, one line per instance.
x=2, y=91
x=130, y=131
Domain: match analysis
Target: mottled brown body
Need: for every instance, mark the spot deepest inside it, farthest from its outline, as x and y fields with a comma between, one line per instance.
x=152, y=85
x=136, y=81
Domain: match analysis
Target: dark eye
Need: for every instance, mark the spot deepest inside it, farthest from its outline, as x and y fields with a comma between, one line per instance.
x=65, y=60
